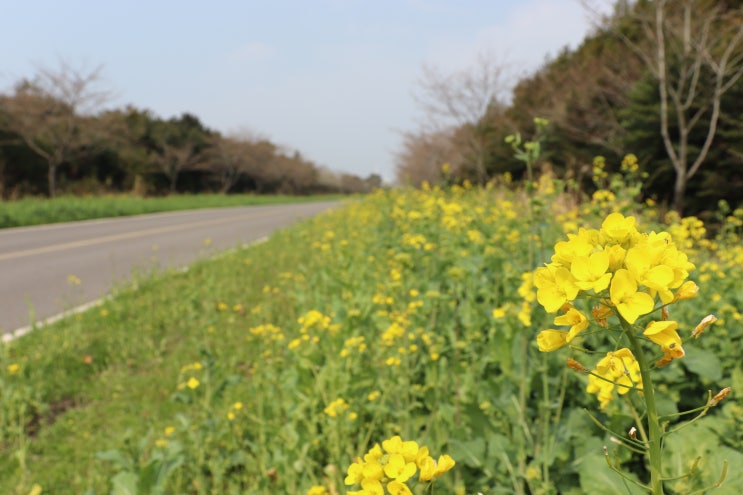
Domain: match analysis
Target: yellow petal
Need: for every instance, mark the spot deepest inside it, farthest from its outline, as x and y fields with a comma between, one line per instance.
x=550, y=340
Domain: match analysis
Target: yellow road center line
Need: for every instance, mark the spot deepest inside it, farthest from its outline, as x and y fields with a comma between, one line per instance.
x=126, y=235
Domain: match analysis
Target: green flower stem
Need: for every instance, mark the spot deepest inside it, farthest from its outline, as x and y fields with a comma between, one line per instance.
x=638, y=420
x=628, y=443
x=655, y=432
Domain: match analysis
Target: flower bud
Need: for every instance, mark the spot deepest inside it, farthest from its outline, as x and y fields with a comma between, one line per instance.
x=550, y=340
x=664, y=361
x=706, y=321
x=687, y=290
x=576, y=366
x=719, y=396
x=633, y=433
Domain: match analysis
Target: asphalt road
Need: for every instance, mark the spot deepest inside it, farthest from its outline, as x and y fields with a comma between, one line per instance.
x=49, y=269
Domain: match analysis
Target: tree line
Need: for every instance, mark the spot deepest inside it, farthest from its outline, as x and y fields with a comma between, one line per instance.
x=657, y=78
x=55, y=138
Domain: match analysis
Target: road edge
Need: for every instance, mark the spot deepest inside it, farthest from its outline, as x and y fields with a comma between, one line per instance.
x=20, y=332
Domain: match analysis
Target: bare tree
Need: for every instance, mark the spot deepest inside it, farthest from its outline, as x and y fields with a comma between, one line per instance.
x=238, y=154
x=174, y=159
x=293, y=174
x=48, y=113
x=225, y=161
x=423, y=154
x=694, y=49
x=462, y=96
x=464, y=99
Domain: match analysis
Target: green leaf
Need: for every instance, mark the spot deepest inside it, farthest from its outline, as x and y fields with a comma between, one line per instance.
x=115, y=457
x=665, y=404
x=597, y=477
x=125, y=483
x=700, y=440
x=469, y=453
x=499, y=446
x=737, y=378
x=704, y=363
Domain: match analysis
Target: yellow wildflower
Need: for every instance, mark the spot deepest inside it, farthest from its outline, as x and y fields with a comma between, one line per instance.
x=397, y=488
x=555, y=287
x=590, y=272
x=550, y=340
x=618, y=370
x=664, y=334
x=618, y=229
x=317, y=490
x=499, y=313
x=576, y=320
x=630, y=302
x=335, y=408
x=397, y=468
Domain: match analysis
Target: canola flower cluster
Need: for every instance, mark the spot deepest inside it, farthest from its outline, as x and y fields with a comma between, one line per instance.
x=313, y=321
x=388, y=468
x=625, y=274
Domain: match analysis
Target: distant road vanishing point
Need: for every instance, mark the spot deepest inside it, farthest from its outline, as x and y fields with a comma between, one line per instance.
x=48, y=269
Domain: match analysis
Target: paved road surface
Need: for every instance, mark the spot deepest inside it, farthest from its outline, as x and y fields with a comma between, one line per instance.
x=40, y=266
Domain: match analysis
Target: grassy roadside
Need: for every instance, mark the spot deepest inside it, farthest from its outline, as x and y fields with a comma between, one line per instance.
x=37, y=211
x=102, y=379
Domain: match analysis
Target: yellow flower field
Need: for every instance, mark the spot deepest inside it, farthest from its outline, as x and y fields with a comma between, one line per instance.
x=325, y=359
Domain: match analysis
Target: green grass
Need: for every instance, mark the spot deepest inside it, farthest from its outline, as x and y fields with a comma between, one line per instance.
x=37, y=211
x=136, y=352
x=387, y=304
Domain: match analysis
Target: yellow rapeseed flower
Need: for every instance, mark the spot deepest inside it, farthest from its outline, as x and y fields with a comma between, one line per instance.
x=399, y=469
x=590, y=272
x=336, y=407
x=317, y=490
x=395, y=487
x=499, y=313
x=576, y=320
x=386, y=469
x=444, y=464
x=618, y=229
x=617, y=370
x=392, y=361
x=555, y=286
x=687, y=291
x=625, y=296
x=550, y=340
x=664, y=334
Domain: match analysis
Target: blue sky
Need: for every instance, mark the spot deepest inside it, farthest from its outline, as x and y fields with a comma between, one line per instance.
x=333, y=79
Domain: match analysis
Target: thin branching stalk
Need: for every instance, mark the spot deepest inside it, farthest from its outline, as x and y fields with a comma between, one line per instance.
x=655, y=432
